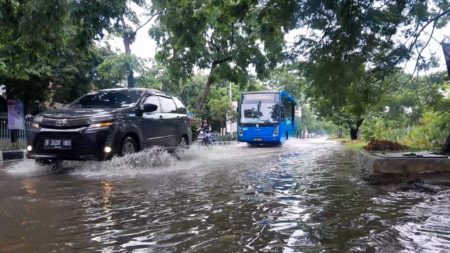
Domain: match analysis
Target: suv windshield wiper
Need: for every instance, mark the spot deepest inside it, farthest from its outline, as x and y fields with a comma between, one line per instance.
x=97, y=106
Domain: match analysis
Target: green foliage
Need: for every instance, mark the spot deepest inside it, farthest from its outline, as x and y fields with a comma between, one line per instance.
x=351, y=51
x=430, y=131
x=418, y=115
x=287, y=78
x=46, y=47
x=116, y=67
x=224, y=37
x=218, y=107
x=156, y=77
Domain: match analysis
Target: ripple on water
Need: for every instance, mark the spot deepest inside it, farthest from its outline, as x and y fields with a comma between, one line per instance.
x=303, y=197
x=429, y=231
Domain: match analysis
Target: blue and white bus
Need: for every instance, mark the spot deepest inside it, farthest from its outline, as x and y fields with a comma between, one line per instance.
x=266, y=117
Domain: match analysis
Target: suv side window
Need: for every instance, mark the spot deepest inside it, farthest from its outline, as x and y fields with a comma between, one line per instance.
x=153, y=100
x=167, y=105
x=180, y=107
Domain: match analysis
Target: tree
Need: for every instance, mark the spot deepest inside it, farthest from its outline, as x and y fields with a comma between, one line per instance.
x=126, y=25
x=287, y=78
x=219, y=108
x=117, y=67
x=221, y=37
x=47, y=45
x=351, y=48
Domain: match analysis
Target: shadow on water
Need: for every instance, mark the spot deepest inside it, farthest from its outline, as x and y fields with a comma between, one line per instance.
x=306, y=196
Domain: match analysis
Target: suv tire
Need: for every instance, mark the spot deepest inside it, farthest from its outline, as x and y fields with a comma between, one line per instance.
x=128, y=146
x=183, y=144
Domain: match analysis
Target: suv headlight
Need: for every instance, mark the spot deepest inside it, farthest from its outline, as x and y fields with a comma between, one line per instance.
x=101, y=121
x=101, y=124
x=36, y=121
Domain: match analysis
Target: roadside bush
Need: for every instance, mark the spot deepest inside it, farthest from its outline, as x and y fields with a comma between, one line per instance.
x=430, y=132
x=381, y=145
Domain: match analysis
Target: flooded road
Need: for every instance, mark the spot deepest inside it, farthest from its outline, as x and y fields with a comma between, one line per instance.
x=306, y=196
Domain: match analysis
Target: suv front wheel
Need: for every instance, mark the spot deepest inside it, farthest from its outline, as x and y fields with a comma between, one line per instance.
x=184, y=144
x=129, y=146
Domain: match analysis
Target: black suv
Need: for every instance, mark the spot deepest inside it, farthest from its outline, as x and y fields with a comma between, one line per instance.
x=109, y=122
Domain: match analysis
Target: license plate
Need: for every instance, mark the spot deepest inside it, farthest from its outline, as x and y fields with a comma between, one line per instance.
x=57, y=144
x=257, y=139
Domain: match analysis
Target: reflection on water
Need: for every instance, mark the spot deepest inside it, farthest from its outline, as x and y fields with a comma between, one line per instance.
x=306, y=196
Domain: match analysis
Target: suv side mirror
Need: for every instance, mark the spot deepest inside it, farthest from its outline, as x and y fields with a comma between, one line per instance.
x=150, y=107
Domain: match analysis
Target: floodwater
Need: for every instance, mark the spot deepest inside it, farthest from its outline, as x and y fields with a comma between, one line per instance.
x=306, y=196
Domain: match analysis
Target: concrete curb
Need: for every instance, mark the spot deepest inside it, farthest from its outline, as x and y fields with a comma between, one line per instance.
x=381, y=167
x=12, y=155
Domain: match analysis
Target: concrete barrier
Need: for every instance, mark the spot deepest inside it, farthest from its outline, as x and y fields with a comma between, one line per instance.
x=12, y=155
x=387, y=167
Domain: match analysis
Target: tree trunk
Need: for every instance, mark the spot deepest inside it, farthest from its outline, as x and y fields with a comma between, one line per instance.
x=354, y=131
x=127, y=40
x=446, y=148
x=339, y=133
x=208, y=84
x=130, y=77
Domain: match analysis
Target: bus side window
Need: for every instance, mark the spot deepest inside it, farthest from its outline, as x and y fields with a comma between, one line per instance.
x=289, y=110
x=292, y=112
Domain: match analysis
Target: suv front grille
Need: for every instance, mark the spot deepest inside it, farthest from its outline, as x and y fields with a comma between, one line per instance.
x=80, y=144
x=68, y=123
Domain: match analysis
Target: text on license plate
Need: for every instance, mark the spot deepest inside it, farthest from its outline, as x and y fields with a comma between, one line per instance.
x=58, y=143
x=257, y=139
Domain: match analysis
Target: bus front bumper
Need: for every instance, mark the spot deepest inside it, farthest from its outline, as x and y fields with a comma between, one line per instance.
x=259, y=139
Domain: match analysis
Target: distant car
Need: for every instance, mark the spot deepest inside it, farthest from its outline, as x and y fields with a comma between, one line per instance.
x=109, y=122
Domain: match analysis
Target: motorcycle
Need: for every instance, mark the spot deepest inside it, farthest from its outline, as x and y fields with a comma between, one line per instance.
x=205, y=138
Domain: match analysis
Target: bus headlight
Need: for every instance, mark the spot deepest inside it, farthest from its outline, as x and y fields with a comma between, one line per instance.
x=275, y=131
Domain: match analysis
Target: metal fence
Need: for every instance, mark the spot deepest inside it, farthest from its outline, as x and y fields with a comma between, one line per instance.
x=5, y=135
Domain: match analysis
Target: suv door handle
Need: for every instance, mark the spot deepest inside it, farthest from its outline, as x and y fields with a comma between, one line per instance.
x=161, y=117
x=178, y=118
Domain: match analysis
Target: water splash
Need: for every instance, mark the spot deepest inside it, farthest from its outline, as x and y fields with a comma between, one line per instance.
x=26, y=167
x=156, y=160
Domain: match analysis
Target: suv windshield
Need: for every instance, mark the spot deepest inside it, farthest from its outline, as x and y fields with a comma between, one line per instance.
x=108, y=99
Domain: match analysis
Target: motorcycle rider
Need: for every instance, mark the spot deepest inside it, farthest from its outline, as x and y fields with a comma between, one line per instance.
x=205, y=126
x=206, y=129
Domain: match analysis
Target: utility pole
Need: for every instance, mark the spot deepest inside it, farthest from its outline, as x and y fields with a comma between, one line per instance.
x=229, y=91
x=228, y=118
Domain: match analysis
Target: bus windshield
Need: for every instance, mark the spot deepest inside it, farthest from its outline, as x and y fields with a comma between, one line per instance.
x=260, y=108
